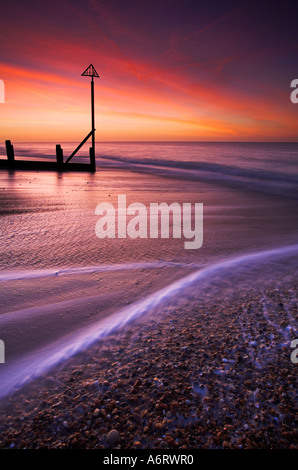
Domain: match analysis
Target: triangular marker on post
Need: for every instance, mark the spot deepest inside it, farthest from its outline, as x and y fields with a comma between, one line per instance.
x=90, y=72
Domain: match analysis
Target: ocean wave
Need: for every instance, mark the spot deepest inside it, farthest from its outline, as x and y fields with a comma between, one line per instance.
x=263, y=180
x=30, y=366
x=39, y=273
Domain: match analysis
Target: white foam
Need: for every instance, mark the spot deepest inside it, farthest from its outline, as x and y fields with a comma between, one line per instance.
x=34, y=364
x=40, y=273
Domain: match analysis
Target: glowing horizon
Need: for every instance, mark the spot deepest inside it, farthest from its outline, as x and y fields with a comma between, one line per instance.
x=171, y=71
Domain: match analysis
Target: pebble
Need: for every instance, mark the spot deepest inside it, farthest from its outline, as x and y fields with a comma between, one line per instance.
x=113, y=437
x=139, y=384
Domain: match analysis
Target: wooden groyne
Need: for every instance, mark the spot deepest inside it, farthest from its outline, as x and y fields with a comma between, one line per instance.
x=59, y=165
x=11, y=163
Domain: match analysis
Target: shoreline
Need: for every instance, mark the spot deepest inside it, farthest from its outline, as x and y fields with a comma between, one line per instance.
x=205, y=375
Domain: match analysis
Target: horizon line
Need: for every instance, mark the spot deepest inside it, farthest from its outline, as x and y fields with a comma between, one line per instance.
x=162, y=141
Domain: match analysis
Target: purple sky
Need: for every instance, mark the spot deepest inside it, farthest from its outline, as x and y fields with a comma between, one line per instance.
x=170, y=69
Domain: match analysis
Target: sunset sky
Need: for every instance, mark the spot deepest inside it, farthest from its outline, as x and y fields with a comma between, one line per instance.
x=186, y=70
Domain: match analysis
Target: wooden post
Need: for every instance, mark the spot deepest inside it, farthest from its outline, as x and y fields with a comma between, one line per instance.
x=91, y=72
x=92, y=159
x=9, y=152
x=92, y=116
x=59, y=156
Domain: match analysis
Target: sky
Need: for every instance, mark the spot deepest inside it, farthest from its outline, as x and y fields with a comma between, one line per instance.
x=170, y=70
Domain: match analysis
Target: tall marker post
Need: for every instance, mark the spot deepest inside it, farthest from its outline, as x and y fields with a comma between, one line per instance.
x=89, y=72
x=92, y=118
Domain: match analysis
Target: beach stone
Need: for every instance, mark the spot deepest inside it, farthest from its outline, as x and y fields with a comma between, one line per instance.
x=170, y=441
x=79, y=409
x=113, y=437
x=137, y=444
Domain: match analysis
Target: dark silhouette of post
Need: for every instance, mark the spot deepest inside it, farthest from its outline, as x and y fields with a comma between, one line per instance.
x=89, y=72
x=92, y=159
x=92, y=117
x=59, y=156
x=92, y=149
x=9, y=152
